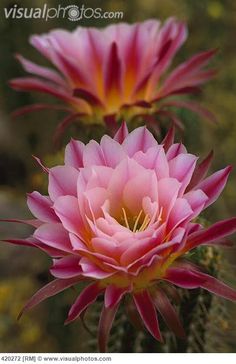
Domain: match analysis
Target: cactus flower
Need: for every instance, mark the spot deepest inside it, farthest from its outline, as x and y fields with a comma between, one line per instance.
x=117, y=72
x=121, y=216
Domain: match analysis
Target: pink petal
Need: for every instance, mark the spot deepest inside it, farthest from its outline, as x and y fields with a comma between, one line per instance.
x=168, y=190
x=93, y=155
x=153, y=256
x=76, y=72
x=175, y=150
x=40, y=163
x=113, y=295
x=35, y=84
x=217, y=287
x=168, y=312
x=198, y=279
x=213, y=233
x=97, y=176
x=23, y=242
x=44, y=72
x=139, y=187
x=197, y=200
x=188, y=73
x=139, y=247
x=184, y=278
x=91, y=270
x=41, y=207
x=32, y=222
x=122, y=133
x=169, y=138
x=66, y=267
x=126, y=170
x=213, y=185
x=88, y=96
x=112, y=151
x=85, y=299
x=155, y=159
x=62, y=181
x=112, y=71
x=96, y=198
x=105, y=246
x=147, y=312
x=133, y=315
x=200, y=171
x=67, y=209
x=55, y=236
x=139, y=139
x=179, y=213
x=104, y=327
x=51, y=289
x=74, y=154
x=88, y=265
x=31, y=242
x=172, y=36
x=181, y=167
x=37, y=107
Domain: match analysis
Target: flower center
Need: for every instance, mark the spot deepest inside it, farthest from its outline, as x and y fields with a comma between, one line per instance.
x=135, y=223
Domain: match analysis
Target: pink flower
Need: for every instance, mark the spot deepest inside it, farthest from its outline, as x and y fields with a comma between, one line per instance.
x=121, y=216
x=117, y=72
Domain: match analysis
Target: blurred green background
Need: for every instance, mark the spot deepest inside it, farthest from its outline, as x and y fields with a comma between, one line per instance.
x=212, y=24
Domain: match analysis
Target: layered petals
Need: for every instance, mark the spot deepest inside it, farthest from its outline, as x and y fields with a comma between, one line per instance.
x=121, y=215
x=121, y=70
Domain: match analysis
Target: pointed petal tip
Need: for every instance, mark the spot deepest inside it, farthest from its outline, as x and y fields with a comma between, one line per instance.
x=121, y=133
x=67, y=321
x=169, y=138
x=38, y=160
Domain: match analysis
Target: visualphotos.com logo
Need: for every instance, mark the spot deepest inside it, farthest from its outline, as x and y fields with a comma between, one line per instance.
x=71, y=12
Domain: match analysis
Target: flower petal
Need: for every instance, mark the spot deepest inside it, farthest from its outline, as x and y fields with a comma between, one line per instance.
x=66, y=267
x=213, y=185
x=181, y=167
x=139, y=139
x=147, y=312
x=168, y=190
x=51, y=289
x=74, y=154
x=197, y=200
x=41, y=207
x=217, y=287
x=200, y=171
x=113, y=152
x=121, y=133
x=215, y=232
x=184, y=278
x=67, y=209
x=55, y=236
x=62, y=181
x=113, y=295
x=104, y=327
x=91, y=270
x=168, y=312
x=85, y=299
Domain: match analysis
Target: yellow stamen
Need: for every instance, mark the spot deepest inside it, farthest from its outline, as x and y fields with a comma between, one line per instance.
x=137, y=220
x=125, y=218
x=145, y=223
